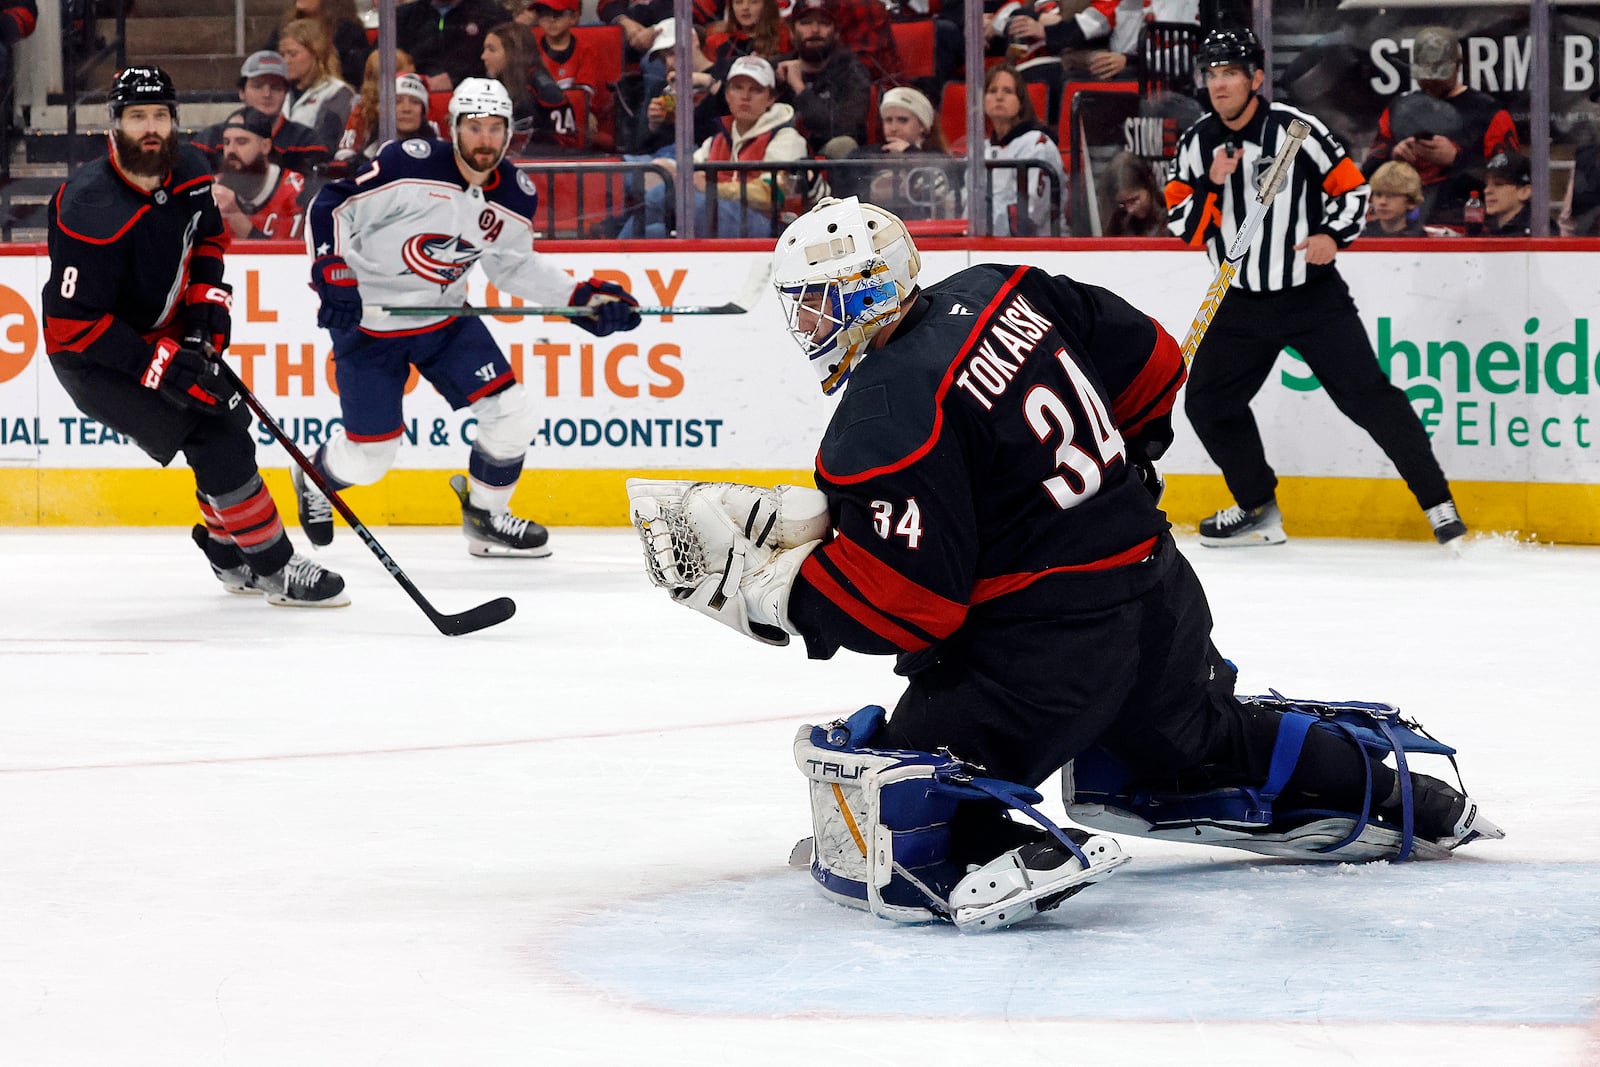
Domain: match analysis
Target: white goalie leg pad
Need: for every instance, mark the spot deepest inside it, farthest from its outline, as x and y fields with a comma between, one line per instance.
x=853, y=854
x=505, y=423
x=358, y=462
x=1012, y=886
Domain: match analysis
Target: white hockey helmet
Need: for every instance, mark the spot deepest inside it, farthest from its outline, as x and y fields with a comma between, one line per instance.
x=477, y=97
x=853, y=266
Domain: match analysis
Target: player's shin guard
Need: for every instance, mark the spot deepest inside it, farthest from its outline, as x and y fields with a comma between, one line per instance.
x=1422, y=818
x=882, y=837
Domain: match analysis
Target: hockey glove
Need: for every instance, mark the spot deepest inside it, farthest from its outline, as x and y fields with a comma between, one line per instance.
x=187, y=378
x=613, y=307
x=1149, y=477
x=208, y=315
x=335, y=284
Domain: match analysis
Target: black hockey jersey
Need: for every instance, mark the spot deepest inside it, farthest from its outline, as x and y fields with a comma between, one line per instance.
x=983, y=451
x=121, y=258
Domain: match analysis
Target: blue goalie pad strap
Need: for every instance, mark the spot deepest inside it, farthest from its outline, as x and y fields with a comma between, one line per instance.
x=1377, y=728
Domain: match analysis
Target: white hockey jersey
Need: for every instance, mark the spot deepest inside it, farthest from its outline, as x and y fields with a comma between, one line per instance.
x=1026, y=142
x=411, y=229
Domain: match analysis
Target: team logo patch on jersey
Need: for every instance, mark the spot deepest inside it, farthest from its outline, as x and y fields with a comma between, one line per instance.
x=439, y=258
x=417, y=148
x=525, y=183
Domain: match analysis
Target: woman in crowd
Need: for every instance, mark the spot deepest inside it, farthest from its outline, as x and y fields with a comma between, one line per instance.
x=909, y=130
x=361, y=141
x=340, y=23
x=1139, y=206
x=542, y=119
x=752, y=27
x=1016, y=135
x=318, y=97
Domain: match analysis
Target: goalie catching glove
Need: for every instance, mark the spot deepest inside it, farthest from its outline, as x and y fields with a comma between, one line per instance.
x=727, y=550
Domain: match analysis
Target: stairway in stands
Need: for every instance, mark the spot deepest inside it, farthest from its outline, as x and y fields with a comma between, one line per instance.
x=192, y=40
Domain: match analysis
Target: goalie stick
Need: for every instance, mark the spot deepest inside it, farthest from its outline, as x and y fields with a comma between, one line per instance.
x=473, y=619
x=747, y=298
x=1276, y=175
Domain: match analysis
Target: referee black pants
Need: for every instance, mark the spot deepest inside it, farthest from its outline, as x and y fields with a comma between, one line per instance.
x=1319, y=321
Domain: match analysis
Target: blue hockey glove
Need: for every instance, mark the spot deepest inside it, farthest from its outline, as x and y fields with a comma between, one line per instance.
x=335, y=284
x=613, y=307
x=187, y=378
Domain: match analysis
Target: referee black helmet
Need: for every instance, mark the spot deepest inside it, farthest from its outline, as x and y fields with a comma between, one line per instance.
x=1222, y=48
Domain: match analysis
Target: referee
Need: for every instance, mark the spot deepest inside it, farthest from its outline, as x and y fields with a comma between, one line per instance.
x=1287, y=293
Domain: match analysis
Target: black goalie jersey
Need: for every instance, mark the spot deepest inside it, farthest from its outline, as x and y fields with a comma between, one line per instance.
x=982, y=457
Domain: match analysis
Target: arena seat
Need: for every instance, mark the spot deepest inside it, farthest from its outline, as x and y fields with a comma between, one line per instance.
x=914, y=42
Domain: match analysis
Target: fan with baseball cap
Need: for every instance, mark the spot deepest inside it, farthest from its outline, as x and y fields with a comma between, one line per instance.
x=754, y=67
x=1435, y=54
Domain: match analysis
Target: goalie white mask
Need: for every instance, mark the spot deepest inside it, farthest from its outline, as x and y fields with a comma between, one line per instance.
x=479, y=98
x=843, y=272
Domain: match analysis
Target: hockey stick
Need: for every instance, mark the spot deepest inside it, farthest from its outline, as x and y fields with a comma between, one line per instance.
x=473, y=619
x=740, y=305
x=1276, y=175
x=566, y=311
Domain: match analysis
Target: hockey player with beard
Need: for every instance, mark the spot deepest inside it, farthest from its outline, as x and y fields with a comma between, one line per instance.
x=135, y=316
x=258, y=198
x=405, y=231
x=988, y=512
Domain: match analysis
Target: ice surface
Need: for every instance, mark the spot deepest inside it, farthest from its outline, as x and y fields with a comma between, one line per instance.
x=238, y=834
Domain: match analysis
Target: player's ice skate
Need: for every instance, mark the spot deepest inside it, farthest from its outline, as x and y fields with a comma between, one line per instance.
x=316, y=510
x=1236, y=527
x=303, y=583
x=226, y=563
x=498, y=533
x=1031, y=879
x=1446, y=523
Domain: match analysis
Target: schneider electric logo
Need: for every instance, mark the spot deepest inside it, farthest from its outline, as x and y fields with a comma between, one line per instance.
x=1492, y=394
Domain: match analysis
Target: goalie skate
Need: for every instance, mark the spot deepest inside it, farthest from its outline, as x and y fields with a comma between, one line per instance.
x=500, y=533
x=1030, y=879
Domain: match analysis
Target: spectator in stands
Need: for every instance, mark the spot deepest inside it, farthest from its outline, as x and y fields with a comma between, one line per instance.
x=830, y=88
x=257, y=197
x=1507, y=192
x=862, y=27
x=1015, y=134
x=576, y=64
x=1120, y=57
x=318, y=97
x=1580, y=205
x=264, y=85
x=361, y=133
x=542, y=121
x=344, y=29
x=445, y=38
x=757, y=128
x=1024, y=26
x=1396, y=196
x=1445, y=130
x=751, y=28
x=909, y=129
x=17, y=20
x=1139, y=201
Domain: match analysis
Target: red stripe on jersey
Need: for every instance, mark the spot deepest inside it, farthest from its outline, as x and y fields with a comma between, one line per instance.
x=1152, y=393
x=70, y=232
x=499, y=383
x=390, y=436
x=892, y=592
x=406, y=333
x=978, y=327
x=994, y=588
x=813, y=572
x=73, y=335
x=191, y=181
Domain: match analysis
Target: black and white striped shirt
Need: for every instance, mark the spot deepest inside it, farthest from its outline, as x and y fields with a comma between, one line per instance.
x=1325, y=193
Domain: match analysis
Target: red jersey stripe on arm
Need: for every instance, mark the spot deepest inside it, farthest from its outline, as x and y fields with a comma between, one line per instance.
x=75, y=235
x=1152, y=393
x=814, y=573
x=938, y=397
x=892, y=592
x=996, y=587
x=73, y=335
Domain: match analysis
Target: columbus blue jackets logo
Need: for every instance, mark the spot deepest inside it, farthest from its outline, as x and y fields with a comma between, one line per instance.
x=439, y=257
